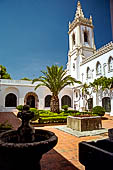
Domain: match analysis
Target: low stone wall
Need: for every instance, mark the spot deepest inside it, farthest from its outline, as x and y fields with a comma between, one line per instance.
x=84, y=123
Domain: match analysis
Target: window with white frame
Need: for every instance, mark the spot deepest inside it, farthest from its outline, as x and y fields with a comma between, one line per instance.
x=98, y=68
x=110, y=64
x=76, y=94
x=88, y=72
x=73, y=66
x=73, y=38
x=85, y=36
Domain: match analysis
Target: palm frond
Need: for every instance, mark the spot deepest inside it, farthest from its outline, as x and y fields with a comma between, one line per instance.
x=37, y=86
x=35, y=80
x=55, y=78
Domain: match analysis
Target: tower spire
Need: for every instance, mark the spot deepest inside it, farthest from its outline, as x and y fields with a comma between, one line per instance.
x=79, y=12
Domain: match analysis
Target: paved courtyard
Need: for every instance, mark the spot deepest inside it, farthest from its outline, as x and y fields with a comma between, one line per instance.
x=65, y=153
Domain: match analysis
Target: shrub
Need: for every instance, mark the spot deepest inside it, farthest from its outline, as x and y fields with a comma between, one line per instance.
x=99, y=110
x=65, y=107
x=5, y=125
x=19, y=107
x=72, y=111
x=63, y=114
x=36, y=114
x=78, y=114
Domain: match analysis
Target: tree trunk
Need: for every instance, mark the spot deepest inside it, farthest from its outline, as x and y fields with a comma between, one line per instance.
x=54, y=104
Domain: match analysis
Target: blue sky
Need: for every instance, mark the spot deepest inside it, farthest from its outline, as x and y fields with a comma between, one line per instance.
x=34, y=33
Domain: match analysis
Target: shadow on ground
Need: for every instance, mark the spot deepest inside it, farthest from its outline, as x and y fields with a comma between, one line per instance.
x=10, y=118
x=54, y=161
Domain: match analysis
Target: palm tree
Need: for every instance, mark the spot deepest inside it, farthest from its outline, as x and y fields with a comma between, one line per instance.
x=102, y=83
x=55, y=78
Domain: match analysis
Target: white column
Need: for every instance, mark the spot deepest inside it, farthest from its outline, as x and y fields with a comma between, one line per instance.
x=93, y=42
x=73, y=99
x=111, y=113
x=41, y=104
x=79, y=35
x=94, y=100
x=20, y=101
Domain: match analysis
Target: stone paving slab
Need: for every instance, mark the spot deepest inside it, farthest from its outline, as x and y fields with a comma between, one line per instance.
x=81, y=134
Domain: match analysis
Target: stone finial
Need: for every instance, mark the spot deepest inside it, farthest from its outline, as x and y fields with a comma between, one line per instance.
x=91, y=18
x=69, y=24
x=79, y=12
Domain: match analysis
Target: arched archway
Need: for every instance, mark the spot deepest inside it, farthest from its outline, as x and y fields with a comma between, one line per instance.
x=106, y=103
x=66, y=100
x=11, y=100
x=47, y=100
x=88, y=73
x=31, y=99
x=98, y=68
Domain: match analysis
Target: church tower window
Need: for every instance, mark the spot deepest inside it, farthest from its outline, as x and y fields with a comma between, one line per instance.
x=73, y=39
x=85, y=37
x=110, y=64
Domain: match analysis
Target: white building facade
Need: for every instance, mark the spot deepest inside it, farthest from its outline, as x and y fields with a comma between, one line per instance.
x=20, y=92
x=85, y=63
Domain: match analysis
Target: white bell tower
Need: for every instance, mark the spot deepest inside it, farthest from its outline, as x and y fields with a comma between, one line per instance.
x=81, y=41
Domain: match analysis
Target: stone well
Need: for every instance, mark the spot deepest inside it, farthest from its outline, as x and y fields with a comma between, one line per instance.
x=84, y=123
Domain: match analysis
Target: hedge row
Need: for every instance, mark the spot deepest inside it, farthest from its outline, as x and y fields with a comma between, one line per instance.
x=46, y=116
x=53, y=120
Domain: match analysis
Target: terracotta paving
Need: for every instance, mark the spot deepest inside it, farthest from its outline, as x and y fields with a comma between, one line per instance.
x=65, y=154
x=10, y=118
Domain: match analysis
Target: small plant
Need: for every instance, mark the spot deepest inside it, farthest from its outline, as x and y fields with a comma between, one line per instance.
x=5, y=125
x=65, y=107
x=19, y=107
x=99, y=110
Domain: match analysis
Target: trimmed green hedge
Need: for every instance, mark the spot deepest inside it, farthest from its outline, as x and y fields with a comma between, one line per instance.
x=46, y=113
x=36, y=114
x=46, y=116
x=62, y=119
